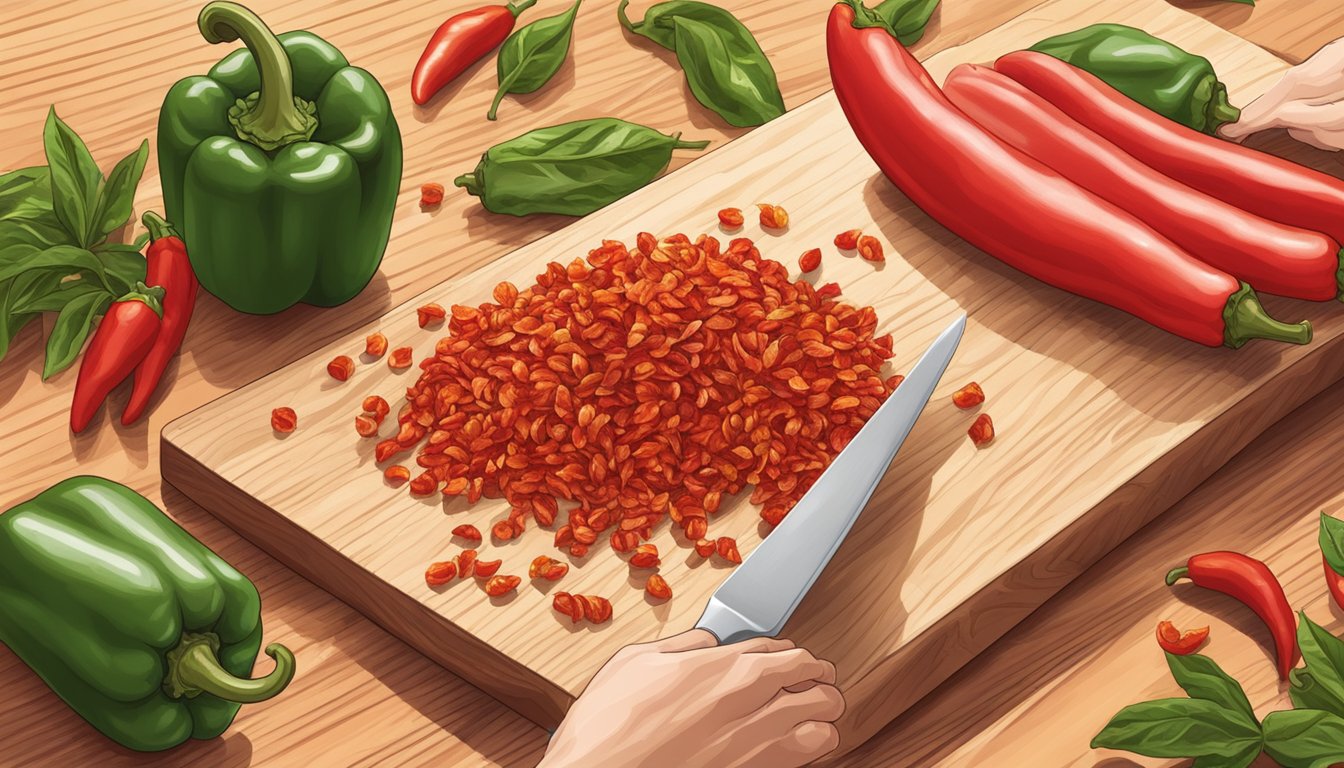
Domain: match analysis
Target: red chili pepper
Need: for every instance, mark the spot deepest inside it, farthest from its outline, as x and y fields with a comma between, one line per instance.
x=1173, y=641
x=1019, y=210
x=1334, y=581
x=1274, y=257
x=1251, y=582
x=460, y=42
x=126, y=333
x=1254, y=181
x=169, y=268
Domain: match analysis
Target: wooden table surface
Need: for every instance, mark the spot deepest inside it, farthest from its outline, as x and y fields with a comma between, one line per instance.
x=364, y=698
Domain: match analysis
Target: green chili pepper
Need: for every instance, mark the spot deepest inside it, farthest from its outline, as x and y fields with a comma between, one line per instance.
x=140, y=628
x=907, y=18
x=724, y=65
x=532, y=55
x=1168, y=80
x=281, y=167
x=574, y=168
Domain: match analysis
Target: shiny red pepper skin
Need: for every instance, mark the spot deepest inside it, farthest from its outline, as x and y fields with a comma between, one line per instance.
x=460, y=42
x=1252, y=583
x=1008, y=204
x=169, y=268
x=1254, y=181
x=1274, y=257
x=1335, y=582
x=124, y=336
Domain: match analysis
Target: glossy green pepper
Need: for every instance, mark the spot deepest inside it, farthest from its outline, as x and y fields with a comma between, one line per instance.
x=140, y=628
x=283, y=181
x=1168, y=80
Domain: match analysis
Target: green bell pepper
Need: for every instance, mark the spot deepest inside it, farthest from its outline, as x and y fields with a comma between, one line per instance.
x=1163, y=77
x=281, y=167
x=140, y=628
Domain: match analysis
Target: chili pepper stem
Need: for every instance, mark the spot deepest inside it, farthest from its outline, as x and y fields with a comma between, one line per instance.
x=272, y=117
x=1244, y=319
x=689, y=144
x=518, y=7
x=1222, y=112
x=469, y=182
x=158, y=226
x=194, y=668
x=1176, y=574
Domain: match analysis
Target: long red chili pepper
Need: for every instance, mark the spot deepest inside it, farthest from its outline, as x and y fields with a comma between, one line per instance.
x=1271, y=256
x=169, y=268
x=124, y=336
x=460, y=42
x=1251, y=582
x=1255, y=181
x=1335, y=582
x=1017, y=209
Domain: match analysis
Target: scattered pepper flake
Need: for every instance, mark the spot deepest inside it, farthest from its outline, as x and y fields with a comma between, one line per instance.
x=773, y=216
x=397, y=474
x=828, y=291
x=968, y=396
x=646, y=556
x=366, y=425
x=894, y=381
x=502, y=530
x=565, y=604
x=377, y=407
x=284, y=420
x=982, y=431
x=810, y=260
x=431, y=194
x=546, y=567
x=870, y=248
x=704, y=547
x=466, y=563
x=657, y=587
x=468, y=532
x=1175, y=642
x=731, y=218
x=595, y=609
x=498, y=586
x=375, y=345
x=849, y=240
x=400, y=359
x=487, y=568
x=430, y=314
x=438, y=574
x=727, y=548
x=341, y=368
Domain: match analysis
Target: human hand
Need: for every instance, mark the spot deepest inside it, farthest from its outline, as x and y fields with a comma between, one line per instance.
x=1308, y=102
x=686, y=701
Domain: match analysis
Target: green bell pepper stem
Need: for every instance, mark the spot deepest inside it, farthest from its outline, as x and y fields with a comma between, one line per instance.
x=1176, y=574
x=193, y=669
x=1244, y=319
x=272, y=117
x=1221, y=112
x=522, y=5
x=158, y=226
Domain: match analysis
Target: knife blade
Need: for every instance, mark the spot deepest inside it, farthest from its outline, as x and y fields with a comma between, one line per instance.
x=761, y=594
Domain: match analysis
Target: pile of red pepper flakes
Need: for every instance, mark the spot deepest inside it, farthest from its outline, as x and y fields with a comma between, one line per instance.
x=643, y=384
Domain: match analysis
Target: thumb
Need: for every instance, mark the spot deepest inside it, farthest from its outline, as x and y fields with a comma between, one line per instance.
x=686, y=641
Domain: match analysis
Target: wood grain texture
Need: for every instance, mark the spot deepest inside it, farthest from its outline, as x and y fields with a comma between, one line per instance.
x=970, y=540
x=362, y=697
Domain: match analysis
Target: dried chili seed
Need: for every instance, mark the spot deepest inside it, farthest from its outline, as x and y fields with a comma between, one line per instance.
x=566, y=605
x=400, y=359
x=487, y=568
x=848, y=240
x=366, y=426
x=341, y=368
x=773, y=216
x=375, y=345
x=466, y=563
x=431, y=194
x=704, y=547
x=377, y=407
x=438, y=574
x=657, y=587
x=870, y=248
x=423, y=484
x=397, y=474
x=810, y=260
x=502, y=530
x=982, y=431
x=284, y=420
x=430, y=314
x=828, y=291
x=497, y=586
x=727, y=549
x=968, y=396
x=468, y=532
x=731, y=218
x=646, y=556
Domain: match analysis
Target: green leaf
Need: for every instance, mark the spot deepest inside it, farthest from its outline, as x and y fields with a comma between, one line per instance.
x=24, y=188
x=124, y=264
x=907, y=18
x=531, y=56
x=62, y=257
x=75, y=178
x=1203, y=679
x=12, y=292
x=728, y=72
x=1332, y=542
x=118, y=194
x=1180, y=728
x=71, y=329
x=657, y=24
x=1304, y=738
x=1321, y=684
x=1242, y=759
x=57, y=296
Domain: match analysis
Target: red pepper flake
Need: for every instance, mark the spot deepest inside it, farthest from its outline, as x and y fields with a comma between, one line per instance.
x=704, y=547
x=848, y=241
x=727, y=548
x=396, y=474
x=870, y=248
x=438, y=574
x=595, y=609
x=430, y=314
x=386, y=450
x=695, y=528
x=578, y=550
x=894, y=381
x=566, y=604
x=982, y=431
x=810, y=260
x=284, y=420
x=731, y=218
x=341, y=368
x=498, y=586
x=646, y=556
x=657, y=587
x=423, y=484
x=502, y=530
x=773, y=516
x=400, y=359
x=544, y=567
x=375, y=344
x=431, y=195
x=1174, y=642
x=376, y=407
x=828, y=291
x=773, y=216
x=466, y=563
x=487, y=568
x=968, y=396
x=468, y=532
x=366, y=425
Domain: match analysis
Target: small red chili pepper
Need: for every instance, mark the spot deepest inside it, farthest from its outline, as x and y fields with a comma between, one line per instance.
x=773, y=216
x=284, y=420
x=431, y=195
x=848, y=240
x=460, y=42
x=1251, y=582
x=341, y=368
x=438, y=574
x=468, y=532
x=487, y=568
x=1173, y=641
x=657, y=587
x=828, y=291
x=125, y=335
x=731, y=218
x=810, y=260
x=167, y=266
x=968, y=396
x=375, y=344
x=982, y=431
x=400, y=359
x=870, y=248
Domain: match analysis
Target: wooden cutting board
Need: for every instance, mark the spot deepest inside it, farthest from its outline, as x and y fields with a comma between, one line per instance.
x=1103, y=423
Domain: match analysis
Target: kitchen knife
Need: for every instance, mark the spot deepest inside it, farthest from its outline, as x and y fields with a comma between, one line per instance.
x=760, y=596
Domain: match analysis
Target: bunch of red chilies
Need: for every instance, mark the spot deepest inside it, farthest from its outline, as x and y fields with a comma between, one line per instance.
x=1050, y=170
